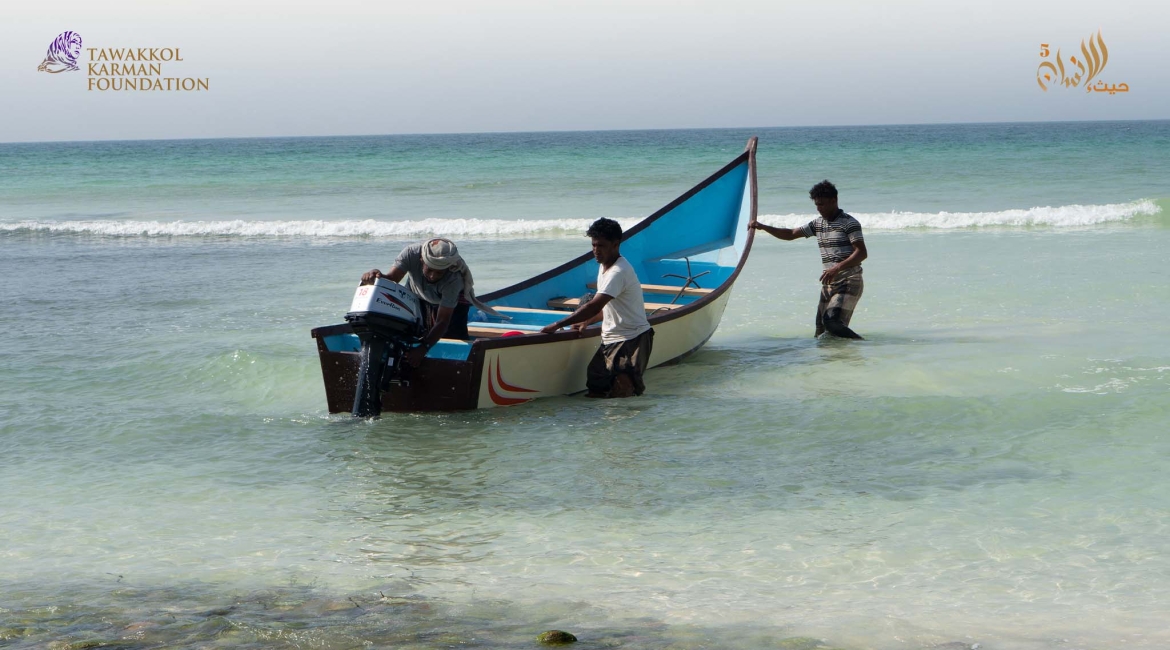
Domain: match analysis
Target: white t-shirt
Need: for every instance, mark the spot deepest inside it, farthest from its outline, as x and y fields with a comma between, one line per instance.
x=624, y=317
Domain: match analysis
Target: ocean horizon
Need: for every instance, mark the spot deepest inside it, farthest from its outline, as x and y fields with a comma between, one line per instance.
x=622, y=130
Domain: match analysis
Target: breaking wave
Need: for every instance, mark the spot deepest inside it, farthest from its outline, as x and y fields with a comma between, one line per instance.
x=315, y=228
x=1054, y=217
x=1065, y=216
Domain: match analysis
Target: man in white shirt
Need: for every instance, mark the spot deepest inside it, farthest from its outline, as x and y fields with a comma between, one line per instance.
x=626, y=336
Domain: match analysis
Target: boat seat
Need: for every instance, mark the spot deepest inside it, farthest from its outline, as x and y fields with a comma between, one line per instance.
x=480, y=332
x=666, y=289
x=481, y=329
x=574, y=303
x=526, y=310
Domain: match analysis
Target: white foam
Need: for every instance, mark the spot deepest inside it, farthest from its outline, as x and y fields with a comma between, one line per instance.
x=1067, y=216
x=315, y=228
x=1056, y=217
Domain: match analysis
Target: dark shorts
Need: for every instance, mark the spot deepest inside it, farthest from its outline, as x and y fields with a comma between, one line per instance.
x=628, y=357
x=841, y=295
x=457, y=329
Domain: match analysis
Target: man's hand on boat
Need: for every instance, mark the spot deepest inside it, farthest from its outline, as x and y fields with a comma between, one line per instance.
x=787, y=234
x=576, y=327
x=395, y=275
x=585, y=315
x=415, y=356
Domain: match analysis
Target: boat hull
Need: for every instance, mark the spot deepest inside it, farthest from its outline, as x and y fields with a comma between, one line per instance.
x=521, y=373
x=701, y=235
x=506, y=375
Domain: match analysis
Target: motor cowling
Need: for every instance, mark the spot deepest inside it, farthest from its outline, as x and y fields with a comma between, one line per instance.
x=387, y=318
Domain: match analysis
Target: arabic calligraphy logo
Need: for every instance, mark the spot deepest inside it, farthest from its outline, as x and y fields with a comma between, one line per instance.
x=63, y=53
x=1094, y=57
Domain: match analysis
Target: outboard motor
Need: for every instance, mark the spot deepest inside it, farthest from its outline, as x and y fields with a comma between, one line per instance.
x=388, y=320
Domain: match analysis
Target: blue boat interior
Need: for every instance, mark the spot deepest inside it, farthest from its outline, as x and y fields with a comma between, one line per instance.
x=444, y=349
x=702, y=237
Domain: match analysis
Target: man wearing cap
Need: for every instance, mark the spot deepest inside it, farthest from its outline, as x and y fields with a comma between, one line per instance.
x=626, y=336
x=437, y=274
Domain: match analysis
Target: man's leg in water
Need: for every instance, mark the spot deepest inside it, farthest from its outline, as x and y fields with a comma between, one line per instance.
x=821, y=306
x=837, y=304
x=835, y=324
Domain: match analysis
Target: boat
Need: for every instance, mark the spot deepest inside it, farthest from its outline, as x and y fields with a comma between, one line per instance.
x=687, y=255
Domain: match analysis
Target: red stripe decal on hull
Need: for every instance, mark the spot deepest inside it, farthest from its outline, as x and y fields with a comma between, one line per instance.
x=508, y=387
x=499, y=399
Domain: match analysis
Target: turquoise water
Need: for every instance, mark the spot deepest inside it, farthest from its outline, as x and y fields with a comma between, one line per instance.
x=988, y=467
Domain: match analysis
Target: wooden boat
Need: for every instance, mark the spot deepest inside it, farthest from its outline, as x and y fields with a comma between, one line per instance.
x=688, y=255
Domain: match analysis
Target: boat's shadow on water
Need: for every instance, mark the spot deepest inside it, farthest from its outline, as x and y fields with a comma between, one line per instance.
x=680, y=378
x=426, y=424
x=769, y=351
x=777, y=345
x=765, y=402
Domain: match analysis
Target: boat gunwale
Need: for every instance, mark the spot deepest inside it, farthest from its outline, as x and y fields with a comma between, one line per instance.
x=481, y=345
x=749, y=155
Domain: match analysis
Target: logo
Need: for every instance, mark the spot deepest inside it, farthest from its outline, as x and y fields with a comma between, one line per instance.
x=1094, y=57
x=138, y=69
x=497, y=388
x=398, y=302
x=62, y=54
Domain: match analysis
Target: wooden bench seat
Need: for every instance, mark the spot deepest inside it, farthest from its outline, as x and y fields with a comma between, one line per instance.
x=573, y=303
x=488, y=332
x=527, y=310
x=666, y=289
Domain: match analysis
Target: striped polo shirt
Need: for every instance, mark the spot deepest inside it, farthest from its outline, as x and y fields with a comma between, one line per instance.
x=836, y=237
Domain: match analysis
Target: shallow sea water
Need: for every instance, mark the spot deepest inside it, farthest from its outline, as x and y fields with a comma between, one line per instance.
x=986, y=468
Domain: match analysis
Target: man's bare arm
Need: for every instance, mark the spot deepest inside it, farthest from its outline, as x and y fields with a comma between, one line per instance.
x=395, y=275
x=787, y=234
x=442, y=321
x=858, y=256
x=580, y=327
x=584, y=314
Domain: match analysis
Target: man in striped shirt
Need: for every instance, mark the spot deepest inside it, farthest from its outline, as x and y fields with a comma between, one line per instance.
x=842, y=251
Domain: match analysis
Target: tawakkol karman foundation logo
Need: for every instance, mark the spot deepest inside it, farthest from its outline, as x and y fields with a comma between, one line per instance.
x=63, y=53
x=137, y=69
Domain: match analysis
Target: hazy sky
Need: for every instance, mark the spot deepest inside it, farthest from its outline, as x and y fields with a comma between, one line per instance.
x=332, y=67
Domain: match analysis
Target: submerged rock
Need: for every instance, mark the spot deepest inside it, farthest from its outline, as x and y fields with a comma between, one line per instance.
x=10, y=633
x=79, y=645
x=556, y=637
x=801, y=643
